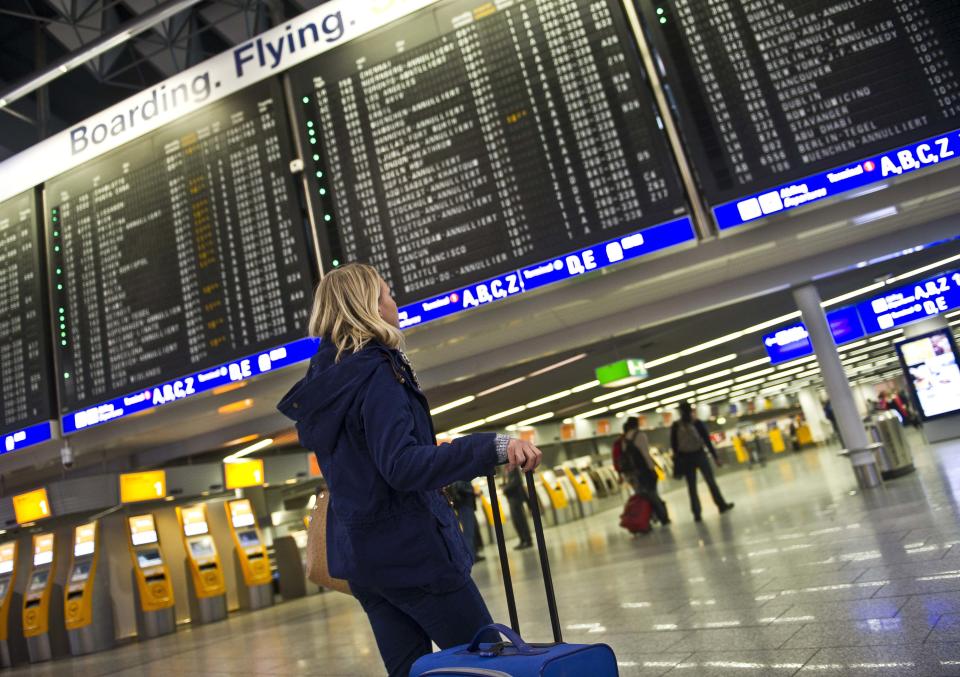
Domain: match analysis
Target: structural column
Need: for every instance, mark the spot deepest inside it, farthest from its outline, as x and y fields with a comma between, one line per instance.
x=834, y=378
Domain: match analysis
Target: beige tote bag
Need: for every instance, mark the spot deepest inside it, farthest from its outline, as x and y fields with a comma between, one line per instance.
x=317, y=570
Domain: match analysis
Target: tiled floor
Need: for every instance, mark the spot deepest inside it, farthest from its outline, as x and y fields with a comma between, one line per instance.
x=806, y=576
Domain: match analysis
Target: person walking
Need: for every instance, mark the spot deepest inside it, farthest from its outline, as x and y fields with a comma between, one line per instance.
x=465, y=503
x=640, y=468
x=390, y=531
x=516, y=492
x=688, y=438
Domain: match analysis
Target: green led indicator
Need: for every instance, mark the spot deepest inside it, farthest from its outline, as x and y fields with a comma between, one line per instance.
x=63, y=343
x=56, y=233
x=311, y=133
x=663, y=19
x=313, y=139
x=55, y=219
x=59, y=271
x=306, y=99
x=66, y=374
x=63, y=326
x=56, y=248
x=660, y=11
x=59, y=286
x=63, y=334
x=336, y=263
x=323, y=191
x=309, y=123
x=61, y=310
x=327, y=217
x=316, y=158
x=319, y=174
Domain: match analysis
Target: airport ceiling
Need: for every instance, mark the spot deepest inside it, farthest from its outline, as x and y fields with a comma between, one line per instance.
x=37, y=32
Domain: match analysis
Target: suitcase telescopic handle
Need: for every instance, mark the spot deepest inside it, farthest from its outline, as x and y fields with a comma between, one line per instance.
x=541, y=549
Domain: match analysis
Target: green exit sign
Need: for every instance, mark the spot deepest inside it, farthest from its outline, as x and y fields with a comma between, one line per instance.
x=621, y=373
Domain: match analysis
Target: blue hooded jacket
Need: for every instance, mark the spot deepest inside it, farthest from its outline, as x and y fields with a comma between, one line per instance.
x=388, y=525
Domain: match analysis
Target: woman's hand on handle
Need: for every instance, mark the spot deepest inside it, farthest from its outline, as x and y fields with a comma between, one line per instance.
x=523, y=455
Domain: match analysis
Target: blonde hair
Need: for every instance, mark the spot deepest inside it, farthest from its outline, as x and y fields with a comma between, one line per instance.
x=346, y=310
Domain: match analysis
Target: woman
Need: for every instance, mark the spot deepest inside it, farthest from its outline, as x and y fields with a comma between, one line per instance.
x=688, y=437
x=390, y=531
x=642, y=467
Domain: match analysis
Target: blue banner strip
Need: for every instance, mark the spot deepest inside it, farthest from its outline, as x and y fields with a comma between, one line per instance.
x=188, y=386
x=632, y=246
x=839, y=180
x=20, y=439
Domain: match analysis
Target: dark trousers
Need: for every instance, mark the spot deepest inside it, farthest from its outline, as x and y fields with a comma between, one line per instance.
x=406, y=620
x=699, y=461
x=647, y=486
x=468, y=523
x=519, y=518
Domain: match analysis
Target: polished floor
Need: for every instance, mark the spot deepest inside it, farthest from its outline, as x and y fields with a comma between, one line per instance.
x=806, y=576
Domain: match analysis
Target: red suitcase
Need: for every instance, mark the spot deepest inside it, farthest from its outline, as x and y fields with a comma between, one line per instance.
x=636, y=515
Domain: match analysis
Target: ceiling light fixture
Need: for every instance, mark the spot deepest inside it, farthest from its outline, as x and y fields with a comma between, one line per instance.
x=549, y=398
x=615, y=394
x=505, y=414
x=246, y=451
x=535, y=419
x=591, y=413
x=750, y=365
x=494, y=389
x=561, y=363
x=452, y=405
x=584, y=386
x=710, y=377
x=711, y=363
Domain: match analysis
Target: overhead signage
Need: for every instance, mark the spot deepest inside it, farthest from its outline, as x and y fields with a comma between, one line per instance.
x=792, y=342
x=575, y=264
x=270, y=53
x=31, y=506
x=243, y=473
x=930, y=364
x=35, y=434
x=143, y=486
x=188, y=386
x=872, y=170
x=143, y=529
x=621, y=373
x=912, y=302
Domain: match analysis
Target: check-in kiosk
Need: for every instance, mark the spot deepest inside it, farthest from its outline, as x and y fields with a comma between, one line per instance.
x=152, y=587
x=254, y=579
x=43, y=625
x=88, y=607
x=12, y=647
x=208, y=592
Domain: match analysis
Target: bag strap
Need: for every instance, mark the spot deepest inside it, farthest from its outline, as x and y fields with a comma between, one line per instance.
x=541, y=548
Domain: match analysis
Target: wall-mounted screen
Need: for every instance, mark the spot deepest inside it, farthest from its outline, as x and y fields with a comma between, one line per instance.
x=178, y=252
x=930, y=365
x=475, y=142
x=25, y=388
x=781, y=104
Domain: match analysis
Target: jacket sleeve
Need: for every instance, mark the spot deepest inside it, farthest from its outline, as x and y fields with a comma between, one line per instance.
x=405, y=463
x=705, y=436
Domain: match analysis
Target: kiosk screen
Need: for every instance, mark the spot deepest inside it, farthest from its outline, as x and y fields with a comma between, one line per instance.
x=81, y=572
x=39, y=581
x=202, y=548
x=248, y=539
x=143, y=530
x=149, y=558
x=3, y=588
x=7, y=554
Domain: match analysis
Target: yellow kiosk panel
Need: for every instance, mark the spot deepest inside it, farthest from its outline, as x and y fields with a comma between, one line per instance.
x=8, y=560
x=205, y=565
x=31, y=506
x=36, y=601
x=143, y=486
x=152, y=575
x=78, y=602
x=251, y=553
x=240, y=474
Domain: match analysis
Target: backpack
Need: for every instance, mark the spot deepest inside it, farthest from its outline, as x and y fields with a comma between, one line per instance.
x=688, y=438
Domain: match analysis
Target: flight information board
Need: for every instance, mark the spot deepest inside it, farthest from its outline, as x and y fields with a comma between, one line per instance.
x=785, y=102
x=473, y=139
x=25, y=392
x=177, y=252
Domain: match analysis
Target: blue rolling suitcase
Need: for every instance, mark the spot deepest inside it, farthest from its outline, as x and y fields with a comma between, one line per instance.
x=514, y=657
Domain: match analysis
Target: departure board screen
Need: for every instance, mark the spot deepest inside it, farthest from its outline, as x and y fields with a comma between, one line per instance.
x=177, y=252
x=784, y=102
x=476, y=138
x=25, y=392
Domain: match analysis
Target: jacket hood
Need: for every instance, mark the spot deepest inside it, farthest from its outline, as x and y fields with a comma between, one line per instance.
x=329, y=389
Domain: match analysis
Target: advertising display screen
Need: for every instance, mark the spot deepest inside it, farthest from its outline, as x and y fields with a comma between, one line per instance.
x=462, y=148
x=930, y=365
x=25, y=388
x=202, y=548
x=143, y=530
x=149, y=557
x=784, y=103
x=179, y=252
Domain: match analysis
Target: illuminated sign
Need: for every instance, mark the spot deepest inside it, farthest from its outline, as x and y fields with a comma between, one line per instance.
x=42, y=549
x=574, y=264
x=31, y=506
x=143, y=486
x=871, y=170
x=143, y=529
x=194, y=520
x=188, y=386
x=911, y=302
x=26, y=437
x=792, y=342
x=8, y=555
x=930, y=364
x=85, y=539
x=241, y=513
x=621, y=373
x=243, y=473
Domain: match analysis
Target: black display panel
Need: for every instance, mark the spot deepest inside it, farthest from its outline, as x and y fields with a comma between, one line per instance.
x=771, y=91
x=25, y=391
x=179, y=251
x=471, y=139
